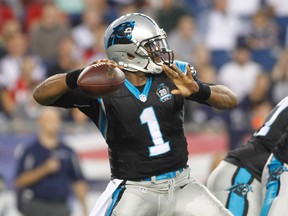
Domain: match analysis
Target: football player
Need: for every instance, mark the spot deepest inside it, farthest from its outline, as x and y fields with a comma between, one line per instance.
x=236, y=181
x=144, y=131
x=275, y=179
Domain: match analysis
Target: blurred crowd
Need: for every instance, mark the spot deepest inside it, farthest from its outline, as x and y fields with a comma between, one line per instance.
x=242, y=44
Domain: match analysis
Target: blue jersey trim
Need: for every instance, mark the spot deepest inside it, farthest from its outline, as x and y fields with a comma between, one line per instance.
x=102, y=122
x=273, y=186
x=115, y=197
x=135, y=91
x=182, y=66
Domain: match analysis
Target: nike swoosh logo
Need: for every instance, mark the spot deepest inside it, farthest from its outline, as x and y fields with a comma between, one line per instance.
x=81, y=105
x=181, y=187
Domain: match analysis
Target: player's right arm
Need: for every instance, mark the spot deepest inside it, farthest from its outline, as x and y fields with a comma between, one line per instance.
x=64, y=87
x=51, y=89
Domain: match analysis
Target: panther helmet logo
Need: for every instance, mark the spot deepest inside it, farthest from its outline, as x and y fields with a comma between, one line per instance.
x=122, y=34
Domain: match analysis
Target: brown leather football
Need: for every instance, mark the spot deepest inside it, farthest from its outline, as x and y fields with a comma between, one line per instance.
x=99, y=80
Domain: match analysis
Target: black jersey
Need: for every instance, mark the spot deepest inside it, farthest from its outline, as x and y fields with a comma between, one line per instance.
x=144, y=129
x=255, y=153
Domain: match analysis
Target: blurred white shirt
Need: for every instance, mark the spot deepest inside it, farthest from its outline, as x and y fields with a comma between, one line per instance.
x=222, y=31
x=280, y=7
x=240, y=79
x=83, y=36
x=243, y=7
x=10, y=71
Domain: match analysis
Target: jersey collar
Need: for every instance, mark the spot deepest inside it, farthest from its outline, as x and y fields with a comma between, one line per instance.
x=142, y=96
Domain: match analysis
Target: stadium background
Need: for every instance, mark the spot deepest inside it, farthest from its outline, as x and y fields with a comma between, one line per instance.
x=205, y=33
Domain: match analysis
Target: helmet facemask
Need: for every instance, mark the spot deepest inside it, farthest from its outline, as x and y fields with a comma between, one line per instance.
x=157, y=50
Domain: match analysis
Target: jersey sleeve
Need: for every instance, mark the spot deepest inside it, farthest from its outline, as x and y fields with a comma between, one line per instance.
x=77, y=99
x=73, y=98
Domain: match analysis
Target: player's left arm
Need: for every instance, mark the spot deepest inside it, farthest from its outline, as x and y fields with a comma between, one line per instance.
x=222, y=97
x=189, y=86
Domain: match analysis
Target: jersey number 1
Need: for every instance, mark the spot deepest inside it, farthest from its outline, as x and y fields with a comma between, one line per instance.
x=160, y=147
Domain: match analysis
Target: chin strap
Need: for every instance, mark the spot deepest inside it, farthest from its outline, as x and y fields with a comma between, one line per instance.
x=151, y=68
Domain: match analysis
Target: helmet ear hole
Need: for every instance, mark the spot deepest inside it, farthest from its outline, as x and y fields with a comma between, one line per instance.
x=130, y=56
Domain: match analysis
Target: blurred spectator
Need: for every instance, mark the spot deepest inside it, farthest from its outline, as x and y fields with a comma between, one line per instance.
x=244, y=8
x=257, y=102
x=16, y=7
x=47, y=171
x=205, y=117
x=279, y=9
x=263, y=40
x=68, y=57
x=7, y=202
x=107, y=8
x=6, y=13
x=18, y=102
x=202, y=62
x=11, y=63
x=198, y=7
x=46, y=35
x=145, y=7
x=98, y=50
x=27, y=3
x=184, y=38
x=9, y=28
x=72, y=8
x=221, y=33
x=240, y=74
x=127, y=8
x=263, y=33
x=14, y=55
x=280, y=77
x=83, y=34
x=169, y=14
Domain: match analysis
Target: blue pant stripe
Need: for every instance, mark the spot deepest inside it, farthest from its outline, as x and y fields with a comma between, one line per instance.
x=115, y=199
x=273, y=188
x=237, y=203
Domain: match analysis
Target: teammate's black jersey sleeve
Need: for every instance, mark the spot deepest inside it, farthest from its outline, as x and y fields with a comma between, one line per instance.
x=255, y=153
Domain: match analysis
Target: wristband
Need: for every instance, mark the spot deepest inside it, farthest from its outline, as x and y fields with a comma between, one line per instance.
x=72, y=77
x=204, y=92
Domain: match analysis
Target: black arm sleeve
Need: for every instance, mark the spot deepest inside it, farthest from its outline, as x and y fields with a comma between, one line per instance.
x=77, y=99
x=73, y=98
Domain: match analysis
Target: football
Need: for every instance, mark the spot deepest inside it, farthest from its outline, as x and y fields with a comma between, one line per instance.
x=99, y=80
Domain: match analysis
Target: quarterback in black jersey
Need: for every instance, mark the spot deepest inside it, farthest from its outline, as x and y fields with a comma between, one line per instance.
x=143, y=122
x=236, y=182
